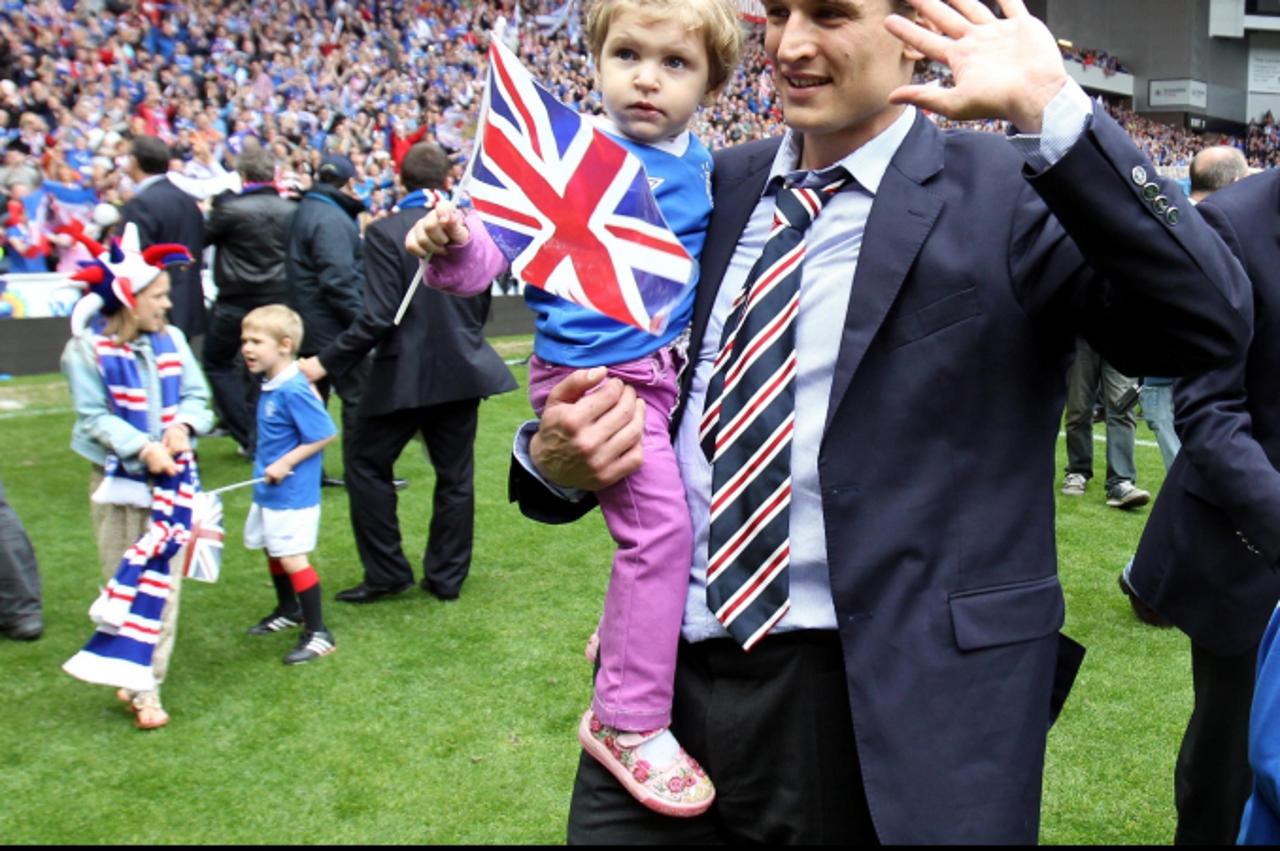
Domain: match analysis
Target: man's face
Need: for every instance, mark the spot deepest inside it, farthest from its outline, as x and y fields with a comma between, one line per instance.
x=834, y=67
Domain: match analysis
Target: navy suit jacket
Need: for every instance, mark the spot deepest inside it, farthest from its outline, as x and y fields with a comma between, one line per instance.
x=438, y=354
x=937, y=462
x=1208, y=556
x=164, y=213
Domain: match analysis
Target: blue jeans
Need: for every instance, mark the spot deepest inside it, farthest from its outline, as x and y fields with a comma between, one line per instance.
x=1157, y=410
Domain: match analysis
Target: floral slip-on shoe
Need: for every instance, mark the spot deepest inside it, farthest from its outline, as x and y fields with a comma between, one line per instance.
x=680, y=788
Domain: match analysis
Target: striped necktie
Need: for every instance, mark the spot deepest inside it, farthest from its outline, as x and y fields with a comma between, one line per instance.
x=748, y=423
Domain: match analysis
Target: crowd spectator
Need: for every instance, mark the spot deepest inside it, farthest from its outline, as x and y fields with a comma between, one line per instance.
x=364, y=80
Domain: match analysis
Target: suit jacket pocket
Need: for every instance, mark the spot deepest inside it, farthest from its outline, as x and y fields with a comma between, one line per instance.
x=932, y=318
x=1007, y=614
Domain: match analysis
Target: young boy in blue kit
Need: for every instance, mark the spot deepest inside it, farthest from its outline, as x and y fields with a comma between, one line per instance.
x=658, y=60
x=293, y=429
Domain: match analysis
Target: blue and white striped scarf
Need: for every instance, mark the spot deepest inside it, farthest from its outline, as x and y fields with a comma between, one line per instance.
x=127, y=399
x=128, y=612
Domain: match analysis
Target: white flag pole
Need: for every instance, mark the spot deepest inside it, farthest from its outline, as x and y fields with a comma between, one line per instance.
x=408, y=296
x=238, y=485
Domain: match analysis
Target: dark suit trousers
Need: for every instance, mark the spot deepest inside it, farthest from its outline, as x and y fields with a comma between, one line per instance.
x=235, y=392
x=350, y=388
x=1212, y=779
x=774, y=732
x=449, y=432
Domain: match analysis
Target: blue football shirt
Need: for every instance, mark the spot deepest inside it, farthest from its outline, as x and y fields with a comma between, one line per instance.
x=290, y=414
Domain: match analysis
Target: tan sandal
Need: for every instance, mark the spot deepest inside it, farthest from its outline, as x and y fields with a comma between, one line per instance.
x=150, y=714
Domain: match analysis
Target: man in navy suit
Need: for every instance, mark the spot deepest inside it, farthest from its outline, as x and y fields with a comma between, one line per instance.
x=907, y=692
x=1208, y=556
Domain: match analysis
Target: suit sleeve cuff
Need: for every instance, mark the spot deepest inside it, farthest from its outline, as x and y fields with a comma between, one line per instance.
x=520, y=451
x=1065, y=120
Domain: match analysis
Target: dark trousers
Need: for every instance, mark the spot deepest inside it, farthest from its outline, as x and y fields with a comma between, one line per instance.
x=774, y=732
x=350, y=388
x=235, y=391
x=1212, y=779
x=19, y=576
x=449, y=432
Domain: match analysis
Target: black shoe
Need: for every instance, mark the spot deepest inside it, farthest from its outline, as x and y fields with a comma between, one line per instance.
x=400, y=484
x=363, y=593
x=28, y=630
x=1141, y=610
x=312, y=645
x=426, y=585
x=276, y=622
x=331, y=482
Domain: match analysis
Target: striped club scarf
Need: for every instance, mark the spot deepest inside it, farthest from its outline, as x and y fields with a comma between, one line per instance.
x=128, y=611
x=127, y=398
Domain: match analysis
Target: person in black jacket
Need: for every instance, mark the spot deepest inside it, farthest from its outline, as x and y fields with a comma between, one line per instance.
x=326, y=279
x=251, y=232
x=164, y=213
x=431, y=372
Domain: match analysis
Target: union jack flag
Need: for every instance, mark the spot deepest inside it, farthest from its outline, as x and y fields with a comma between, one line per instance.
x=203, y=560
x=570, y=208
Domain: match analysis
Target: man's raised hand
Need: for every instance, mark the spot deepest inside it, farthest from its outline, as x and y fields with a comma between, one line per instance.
x=1009, y=69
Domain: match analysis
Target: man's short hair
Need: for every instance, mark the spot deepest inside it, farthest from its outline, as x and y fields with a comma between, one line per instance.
x=426, y=166
x=256, y=164
x=151, y=153
x=716, y=20
x=277, y=321
x=1215, y=168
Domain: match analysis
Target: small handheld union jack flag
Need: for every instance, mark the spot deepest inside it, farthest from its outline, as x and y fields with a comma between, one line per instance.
x=203, y=561
x=569, y=207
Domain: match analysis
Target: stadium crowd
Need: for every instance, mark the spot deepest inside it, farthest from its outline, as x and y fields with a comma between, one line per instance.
x=366, y=80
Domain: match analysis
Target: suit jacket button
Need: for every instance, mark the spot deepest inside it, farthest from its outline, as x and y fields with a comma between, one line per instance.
x=1139, y=175
x=1161, y=205
x=1172, y=215
x=1151, y=191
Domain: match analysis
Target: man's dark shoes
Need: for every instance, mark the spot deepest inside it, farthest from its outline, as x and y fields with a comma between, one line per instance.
x=400, y=484
x=426, y=585
x=1141, y=610
x=363, y=593
x=28, y=630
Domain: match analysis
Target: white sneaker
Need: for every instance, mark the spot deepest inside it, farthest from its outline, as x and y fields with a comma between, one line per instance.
x=1127, y=495
x=1073, y=484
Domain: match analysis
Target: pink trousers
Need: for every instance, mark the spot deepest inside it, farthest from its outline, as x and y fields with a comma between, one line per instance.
x=649, y=521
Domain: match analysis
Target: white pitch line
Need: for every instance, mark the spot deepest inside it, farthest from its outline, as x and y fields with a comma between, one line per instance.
x=1098, y=438
x=39, y=412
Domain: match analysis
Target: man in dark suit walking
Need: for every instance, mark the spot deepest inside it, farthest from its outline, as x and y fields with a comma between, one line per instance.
x=906, y=688
x=164, y=213
x=430, y=373
x=1209, y=554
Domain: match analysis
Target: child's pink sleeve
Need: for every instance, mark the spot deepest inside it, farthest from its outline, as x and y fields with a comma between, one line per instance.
x=467, y=269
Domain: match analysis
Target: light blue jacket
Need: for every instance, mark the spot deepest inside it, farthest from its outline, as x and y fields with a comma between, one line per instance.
x=98, y=432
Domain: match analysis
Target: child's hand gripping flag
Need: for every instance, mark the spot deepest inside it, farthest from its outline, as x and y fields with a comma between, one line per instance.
x=569, y=207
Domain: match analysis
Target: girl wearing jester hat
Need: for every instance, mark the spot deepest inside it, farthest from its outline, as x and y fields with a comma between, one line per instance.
x=139, y=398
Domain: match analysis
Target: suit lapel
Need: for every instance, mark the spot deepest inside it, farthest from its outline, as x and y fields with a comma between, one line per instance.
x=738, y=185
x=902, y=216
